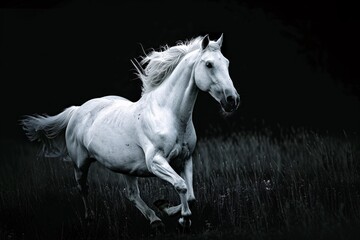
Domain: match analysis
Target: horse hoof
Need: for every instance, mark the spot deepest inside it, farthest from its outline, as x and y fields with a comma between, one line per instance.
x=184, y=224
x=157, y=227
x=162, y=204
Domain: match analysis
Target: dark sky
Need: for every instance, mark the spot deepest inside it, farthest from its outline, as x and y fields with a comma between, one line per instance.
x=293, y=62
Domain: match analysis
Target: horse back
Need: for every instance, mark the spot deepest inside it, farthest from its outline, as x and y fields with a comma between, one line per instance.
x=88, y=113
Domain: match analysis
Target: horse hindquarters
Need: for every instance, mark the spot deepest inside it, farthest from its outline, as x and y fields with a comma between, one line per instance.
x=52, y=132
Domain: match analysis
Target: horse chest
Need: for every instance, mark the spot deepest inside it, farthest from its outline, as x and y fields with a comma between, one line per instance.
x=178, y=155
x=177, y=145
x=179, y=151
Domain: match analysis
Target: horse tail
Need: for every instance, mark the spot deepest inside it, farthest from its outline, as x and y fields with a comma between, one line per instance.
x=49, y=131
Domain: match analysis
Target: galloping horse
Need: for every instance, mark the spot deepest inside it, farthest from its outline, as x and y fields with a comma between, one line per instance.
x=153, y=136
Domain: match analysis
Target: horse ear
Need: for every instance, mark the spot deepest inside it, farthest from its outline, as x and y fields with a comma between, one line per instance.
x=220, y=40
x=205, y=42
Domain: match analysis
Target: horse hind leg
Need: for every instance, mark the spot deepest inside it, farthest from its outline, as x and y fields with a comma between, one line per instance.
x=81, y=170
x=133, y=194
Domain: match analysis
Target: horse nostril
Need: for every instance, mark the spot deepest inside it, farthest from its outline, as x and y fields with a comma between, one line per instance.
x=230, y=100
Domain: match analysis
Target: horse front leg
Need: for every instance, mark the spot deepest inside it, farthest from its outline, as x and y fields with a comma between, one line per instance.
x=187, y=175
x=160, y=167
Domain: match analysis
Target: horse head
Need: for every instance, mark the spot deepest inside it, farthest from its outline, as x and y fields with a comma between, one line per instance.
x=211, y=75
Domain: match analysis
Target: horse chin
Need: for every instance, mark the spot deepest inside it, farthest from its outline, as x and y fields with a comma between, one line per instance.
x=227, y=111
x=227, y=108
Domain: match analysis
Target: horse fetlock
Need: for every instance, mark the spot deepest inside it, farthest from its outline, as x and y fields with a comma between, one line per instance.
x=181, y=187
x=186, y=214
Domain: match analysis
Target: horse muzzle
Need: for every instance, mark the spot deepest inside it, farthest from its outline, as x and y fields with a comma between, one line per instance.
x=230, y=103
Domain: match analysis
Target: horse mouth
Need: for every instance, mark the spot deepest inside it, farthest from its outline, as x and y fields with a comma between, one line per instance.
x=230, y=104
x=227, y=108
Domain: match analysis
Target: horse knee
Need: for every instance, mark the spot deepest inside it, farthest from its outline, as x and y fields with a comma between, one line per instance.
x=131, y=195
x=180, y=186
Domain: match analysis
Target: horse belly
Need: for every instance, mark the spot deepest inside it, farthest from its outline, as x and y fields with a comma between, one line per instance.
x=119, y=154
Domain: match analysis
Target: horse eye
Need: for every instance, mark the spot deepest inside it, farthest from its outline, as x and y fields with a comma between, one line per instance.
x=209, y=65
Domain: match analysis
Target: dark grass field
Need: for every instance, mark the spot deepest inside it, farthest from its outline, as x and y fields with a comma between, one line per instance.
x=293, y=184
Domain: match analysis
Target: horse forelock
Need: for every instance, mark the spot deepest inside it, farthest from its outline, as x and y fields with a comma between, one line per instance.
x=160, y=64
x=213, y=46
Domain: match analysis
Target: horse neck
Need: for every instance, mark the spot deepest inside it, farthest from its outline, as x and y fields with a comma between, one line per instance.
x=179, y=92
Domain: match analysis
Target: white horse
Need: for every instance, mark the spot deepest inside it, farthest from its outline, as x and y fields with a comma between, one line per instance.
x=154, y=136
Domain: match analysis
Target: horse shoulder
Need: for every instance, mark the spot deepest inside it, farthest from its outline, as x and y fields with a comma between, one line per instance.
x=170, y=141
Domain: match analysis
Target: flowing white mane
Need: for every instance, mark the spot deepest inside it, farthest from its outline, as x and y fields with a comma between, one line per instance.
x=160, y=64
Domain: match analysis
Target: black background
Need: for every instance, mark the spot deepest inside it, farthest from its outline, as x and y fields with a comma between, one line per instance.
x=294, y=63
